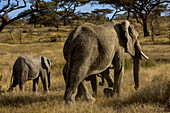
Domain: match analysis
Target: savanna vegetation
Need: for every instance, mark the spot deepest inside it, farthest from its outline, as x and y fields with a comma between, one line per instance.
x=152, y=95
x=25, y=37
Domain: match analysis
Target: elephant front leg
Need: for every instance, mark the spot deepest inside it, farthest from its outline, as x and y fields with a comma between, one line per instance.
x=35, y=84
x=118, y=71
x=44, y=81
x=118, y=80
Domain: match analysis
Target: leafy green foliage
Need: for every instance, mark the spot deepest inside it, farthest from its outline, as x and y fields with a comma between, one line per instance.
x=148, y=63
x=128, y=63
x=140, y=8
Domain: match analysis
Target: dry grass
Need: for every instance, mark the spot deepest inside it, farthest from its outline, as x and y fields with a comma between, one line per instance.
x=151, y=97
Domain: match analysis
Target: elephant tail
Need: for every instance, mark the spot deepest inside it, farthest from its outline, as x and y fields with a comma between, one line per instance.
x=11, y=79
x=11, y=84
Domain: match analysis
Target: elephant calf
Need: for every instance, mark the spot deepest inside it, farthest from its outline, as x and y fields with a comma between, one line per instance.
x=31, y=68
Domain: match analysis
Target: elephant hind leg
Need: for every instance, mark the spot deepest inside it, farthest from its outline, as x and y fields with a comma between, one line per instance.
x=86, y=93
x=82, y=90
x=14, y=84
x=21, y=86
x=23, y=77
x=71, y=88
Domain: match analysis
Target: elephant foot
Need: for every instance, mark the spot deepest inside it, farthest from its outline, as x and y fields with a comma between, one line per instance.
x=10, y=89
x=46, y=91
x=78, y=97
x=91, y=100
x=108, y=92
x=95, y=94
x=69, y=98
x=69, y=103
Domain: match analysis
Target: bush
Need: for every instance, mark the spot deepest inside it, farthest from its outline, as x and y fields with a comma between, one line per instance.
x=148, y=63
x=128, y=63
x=53, y=38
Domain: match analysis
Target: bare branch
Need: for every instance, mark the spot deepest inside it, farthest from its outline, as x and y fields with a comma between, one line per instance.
x=15, y=7
x=5, y=7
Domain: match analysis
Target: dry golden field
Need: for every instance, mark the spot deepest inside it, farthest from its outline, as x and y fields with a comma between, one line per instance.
x=151, y=97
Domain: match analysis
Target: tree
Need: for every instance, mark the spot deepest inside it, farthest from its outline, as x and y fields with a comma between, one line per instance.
x=66, y=8
x=46, y=18
x=61, y=10
x=102, y=12
x=12, y=5
x=153, y=19
x=140, y=8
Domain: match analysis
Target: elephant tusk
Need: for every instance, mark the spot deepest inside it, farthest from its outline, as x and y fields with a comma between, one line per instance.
x=144, y=55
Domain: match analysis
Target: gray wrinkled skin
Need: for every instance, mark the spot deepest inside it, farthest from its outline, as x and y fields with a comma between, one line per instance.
x=31, y=68
x=92, y=49
x=93, y=79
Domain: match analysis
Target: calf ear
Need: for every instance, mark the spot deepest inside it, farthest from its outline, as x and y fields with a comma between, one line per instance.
x=46, y=63
x=130, y=45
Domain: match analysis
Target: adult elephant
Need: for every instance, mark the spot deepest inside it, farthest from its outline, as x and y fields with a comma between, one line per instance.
x=31, y=68
x=92, y=49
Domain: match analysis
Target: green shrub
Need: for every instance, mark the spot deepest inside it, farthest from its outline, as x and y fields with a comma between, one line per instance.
x=148, y=63
x=59, y=65
x=128, y=63
x=53, y=38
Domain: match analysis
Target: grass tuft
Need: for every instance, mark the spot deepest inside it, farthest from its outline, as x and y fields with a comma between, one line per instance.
x=148, y=63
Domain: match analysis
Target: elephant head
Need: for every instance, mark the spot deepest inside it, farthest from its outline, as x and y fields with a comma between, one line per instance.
x=46, y=63
x=132, y=46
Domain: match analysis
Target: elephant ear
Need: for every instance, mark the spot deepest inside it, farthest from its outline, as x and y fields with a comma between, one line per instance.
x=131, y=37
x=46, y=63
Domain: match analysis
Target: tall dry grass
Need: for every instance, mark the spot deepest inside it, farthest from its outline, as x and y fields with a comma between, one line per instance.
x=151, y=97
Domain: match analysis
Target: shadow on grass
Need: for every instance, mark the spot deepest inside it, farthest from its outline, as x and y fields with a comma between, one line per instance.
x=155, y=43
x=165, y=60
x=36, y=42
x=20, y=99
x=54, y=30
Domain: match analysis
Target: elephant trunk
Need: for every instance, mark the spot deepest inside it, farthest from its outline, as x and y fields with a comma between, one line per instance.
x=136, y=69
x=137, y=64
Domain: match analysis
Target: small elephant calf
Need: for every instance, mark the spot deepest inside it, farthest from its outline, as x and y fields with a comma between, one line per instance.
x=31, y=68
